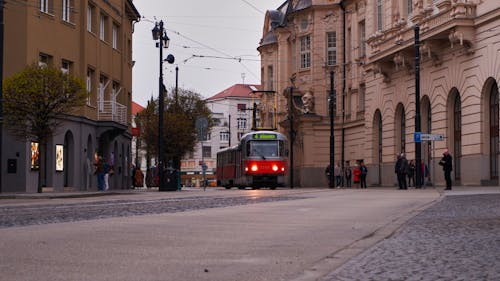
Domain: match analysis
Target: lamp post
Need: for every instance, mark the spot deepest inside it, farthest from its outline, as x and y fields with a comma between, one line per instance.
x=160, y=35
x=418, y=147
x=332, y=106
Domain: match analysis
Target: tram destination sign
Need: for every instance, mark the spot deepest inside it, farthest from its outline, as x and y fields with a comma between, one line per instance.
x=264, y=136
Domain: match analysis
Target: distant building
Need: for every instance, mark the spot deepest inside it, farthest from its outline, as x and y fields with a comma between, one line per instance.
x=92, y=40
x=232, y=112
x=369, y=46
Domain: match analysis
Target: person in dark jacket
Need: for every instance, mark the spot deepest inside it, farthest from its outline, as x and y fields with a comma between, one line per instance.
x=401, y=170
x=364, y=172
x=446, y=162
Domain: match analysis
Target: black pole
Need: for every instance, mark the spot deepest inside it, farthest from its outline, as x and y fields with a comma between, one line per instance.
x=229, y=125
x=344, y=62
x=331, y=103
x=176, y=87
x=161, y=152
x=418, y=151
x=292, y=134
x=254, y=116
x=1, y=92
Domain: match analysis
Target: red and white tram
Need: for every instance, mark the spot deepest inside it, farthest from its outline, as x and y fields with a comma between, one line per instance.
x=259, y=160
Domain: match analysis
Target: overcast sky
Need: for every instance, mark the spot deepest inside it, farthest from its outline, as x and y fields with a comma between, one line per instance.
x=223, y=31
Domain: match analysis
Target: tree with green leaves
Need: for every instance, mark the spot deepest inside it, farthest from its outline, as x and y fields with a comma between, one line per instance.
x=35, y=103
x=179, y=124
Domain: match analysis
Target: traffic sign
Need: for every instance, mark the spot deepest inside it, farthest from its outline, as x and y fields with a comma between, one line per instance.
x=417, y=136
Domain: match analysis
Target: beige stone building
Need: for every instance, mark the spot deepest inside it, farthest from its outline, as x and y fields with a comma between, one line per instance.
x=92, y=40
x=370, y=47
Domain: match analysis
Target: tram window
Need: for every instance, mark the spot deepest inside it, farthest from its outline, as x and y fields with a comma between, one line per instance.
x=263, y=148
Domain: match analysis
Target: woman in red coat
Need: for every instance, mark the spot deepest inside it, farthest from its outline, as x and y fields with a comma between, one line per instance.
x=356, y=172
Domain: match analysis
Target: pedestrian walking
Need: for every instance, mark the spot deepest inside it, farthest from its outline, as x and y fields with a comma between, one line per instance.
x=107, y=171
x=99, y=171
x=446, y=162
x=327, y=174
x=338, y=175
x=401, y=169
x=348, y=174
x=363, y=173
x=356, y=173
x=411, y=173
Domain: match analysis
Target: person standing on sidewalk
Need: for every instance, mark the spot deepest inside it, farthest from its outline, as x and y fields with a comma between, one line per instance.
x=347, y=174
x=338, y=175
x=364, y=172
x=446, y=162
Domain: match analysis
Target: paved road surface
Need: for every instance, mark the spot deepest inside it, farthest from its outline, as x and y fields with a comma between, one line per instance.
x=282, y=235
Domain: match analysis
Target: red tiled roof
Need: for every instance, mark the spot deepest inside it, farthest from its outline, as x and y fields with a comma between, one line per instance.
x=136, y=108
x=236, y=91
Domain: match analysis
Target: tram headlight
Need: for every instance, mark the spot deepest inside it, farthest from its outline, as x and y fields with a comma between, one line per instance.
x=275, y=168
x=282, y=169
x=254, y=168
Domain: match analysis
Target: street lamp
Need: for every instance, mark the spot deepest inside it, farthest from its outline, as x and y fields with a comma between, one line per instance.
x=332, y=104
x=160, y=35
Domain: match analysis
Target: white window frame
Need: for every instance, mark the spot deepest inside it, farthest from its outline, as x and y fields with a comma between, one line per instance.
x=65, y=66
x=115, y=36
x=331, y=48
x=242, y=123
x=102, y=27
x=305, y=51
x=44, y=6
x=90, y=17
x=90, y=74
x=66, y=10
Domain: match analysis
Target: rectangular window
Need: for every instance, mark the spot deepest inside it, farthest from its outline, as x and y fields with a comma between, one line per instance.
x=362, y=38
x=241, y=106
x=46, y=6
x=349, y=48
x=102, y=86
x=66, y=10
x=242, y=123
x=44, y=60
x=224, y=136
x=90, y=18
x=102, y=27
x=305, y=51
x=409, y=7
x=362, y=90
x=65, y=66
x=90, y=79
x=207, y=151
x=115, y=36
x=270, y=78
x=331, y=48
x=380, y=19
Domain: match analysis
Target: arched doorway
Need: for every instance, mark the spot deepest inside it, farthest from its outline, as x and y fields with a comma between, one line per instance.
x=455, y=132
x=425, y=106
x=493, y=133
x=69, y=158
x=377, y=144
x=400, y=129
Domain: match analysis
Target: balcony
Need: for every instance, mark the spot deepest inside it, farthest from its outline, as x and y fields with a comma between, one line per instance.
x=449, y=23
x=112, y=111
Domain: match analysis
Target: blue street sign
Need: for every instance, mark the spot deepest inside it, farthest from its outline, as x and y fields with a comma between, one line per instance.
x=417, y=136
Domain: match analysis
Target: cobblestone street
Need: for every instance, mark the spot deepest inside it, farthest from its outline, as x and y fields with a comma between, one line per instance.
x=12, y=216
x=456, y=239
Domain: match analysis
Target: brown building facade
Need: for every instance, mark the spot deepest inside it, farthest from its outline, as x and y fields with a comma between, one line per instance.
x=92, y=40
x=369, y=45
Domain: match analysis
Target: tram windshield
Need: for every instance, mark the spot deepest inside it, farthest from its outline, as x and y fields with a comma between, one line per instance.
x=265, y=148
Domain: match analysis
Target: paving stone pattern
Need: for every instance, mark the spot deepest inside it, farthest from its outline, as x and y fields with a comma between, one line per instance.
x=456, y=239
x=12, y=216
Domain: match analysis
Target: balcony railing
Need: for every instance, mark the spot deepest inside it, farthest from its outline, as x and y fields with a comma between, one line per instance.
x=111, y=111
x=450, y=22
